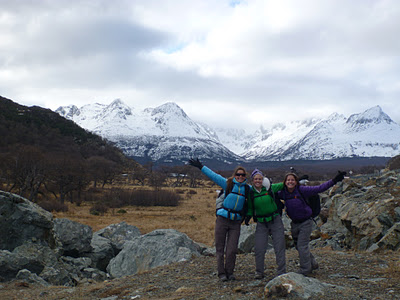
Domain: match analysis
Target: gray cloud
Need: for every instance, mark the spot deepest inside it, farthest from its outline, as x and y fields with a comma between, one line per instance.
x=287, y=59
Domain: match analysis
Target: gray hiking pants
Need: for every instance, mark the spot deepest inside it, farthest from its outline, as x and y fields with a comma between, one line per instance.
x=263, y=231
x=227, y=234
x=301, y=233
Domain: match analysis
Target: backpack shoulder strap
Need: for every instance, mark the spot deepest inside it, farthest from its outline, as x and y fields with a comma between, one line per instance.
x=304, y=198
x=247, y=191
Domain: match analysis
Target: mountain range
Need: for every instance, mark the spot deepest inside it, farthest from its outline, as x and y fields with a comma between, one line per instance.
x=166, y=135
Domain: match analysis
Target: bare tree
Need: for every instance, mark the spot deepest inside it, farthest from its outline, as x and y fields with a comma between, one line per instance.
x=26, y=170
x=194, y=176
x=140, y=175
x=102, y=170
x=64, y=174
x=157, y=179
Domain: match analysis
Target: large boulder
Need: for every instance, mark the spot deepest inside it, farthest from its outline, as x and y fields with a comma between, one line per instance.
x=118, y=234
x=75, y=238
x=102, y=252
x=22, y=220
x=37, y=259
x=157, y=248
x=296, y=286
x=247, y=238
x=390, y=241
x=364, y=212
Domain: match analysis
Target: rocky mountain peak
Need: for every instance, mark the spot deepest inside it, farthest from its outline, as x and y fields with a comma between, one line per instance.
x=169, y=108
x=373, y=115
x=68, y=112
x=118, y=108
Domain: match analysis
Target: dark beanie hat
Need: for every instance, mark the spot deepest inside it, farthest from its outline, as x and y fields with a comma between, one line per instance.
x=255, y=172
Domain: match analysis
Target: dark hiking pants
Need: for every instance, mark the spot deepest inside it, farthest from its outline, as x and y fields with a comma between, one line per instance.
x=227, y=234
x=276, y=229
x=301, y=233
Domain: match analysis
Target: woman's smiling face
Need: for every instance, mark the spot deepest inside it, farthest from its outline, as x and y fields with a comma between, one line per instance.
x=258, y=181
x=240, y=175
x=290, y=182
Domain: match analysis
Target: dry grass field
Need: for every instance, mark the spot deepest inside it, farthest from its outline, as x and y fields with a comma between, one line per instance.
x=195, y=215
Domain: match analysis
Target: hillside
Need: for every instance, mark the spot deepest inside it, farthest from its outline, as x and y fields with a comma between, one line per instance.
x=42, y=153
x=36, y=126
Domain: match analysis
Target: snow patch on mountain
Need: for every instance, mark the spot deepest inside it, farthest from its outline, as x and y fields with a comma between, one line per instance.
x=368, y=134
x=162, y=134
x=166, y=133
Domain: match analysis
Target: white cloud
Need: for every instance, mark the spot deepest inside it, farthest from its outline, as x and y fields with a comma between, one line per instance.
x=269, y=58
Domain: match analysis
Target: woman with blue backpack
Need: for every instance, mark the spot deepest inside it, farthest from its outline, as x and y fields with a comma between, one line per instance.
x=295, y=197
x=229, y=217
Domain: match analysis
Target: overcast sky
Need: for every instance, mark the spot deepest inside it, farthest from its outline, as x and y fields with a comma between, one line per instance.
x=226, y=63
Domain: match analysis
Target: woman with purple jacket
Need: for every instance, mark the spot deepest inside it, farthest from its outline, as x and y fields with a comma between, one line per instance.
x=294, y=196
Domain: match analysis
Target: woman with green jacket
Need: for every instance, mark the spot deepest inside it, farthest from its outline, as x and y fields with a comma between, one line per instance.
x=266, y=211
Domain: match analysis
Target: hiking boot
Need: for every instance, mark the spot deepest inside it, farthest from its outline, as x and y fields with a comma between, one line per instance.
x=232, y=277
x=259, y=276
x=223, y=278
x=305, y=273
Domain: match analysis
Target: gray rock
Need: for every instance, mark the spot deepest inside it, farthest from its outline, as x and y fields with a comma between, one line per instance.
x=102, y=252
x=391, y=240
x=37, y=259
x=247, y=238
x=397, y=213
x=157, y=248
x=21, y=220
x=30, y=256
x=296, y=286
x=364, y=212
x=58, y=276
x=30, y=277
x=79, y=263
x=118, y=234
x=75, y=238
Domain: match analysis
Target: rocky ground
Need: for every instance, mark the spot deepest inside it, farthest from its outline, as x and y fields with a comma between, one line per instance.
x=355, y=275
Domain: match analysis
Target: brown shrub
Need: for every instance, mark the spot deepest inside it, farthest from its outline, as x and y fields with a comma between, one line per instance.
x=53, y=206
x=121, y=197
x=98, y=209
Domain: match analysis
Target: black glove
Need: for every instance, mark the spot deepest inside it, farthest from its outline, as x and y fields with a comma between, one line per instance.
x=339, y=177
x=247, y=220
x=195, y=163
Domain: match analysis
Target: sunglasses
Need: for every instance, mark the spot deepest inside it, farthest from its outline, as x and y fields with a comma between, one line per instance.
x=240, y=174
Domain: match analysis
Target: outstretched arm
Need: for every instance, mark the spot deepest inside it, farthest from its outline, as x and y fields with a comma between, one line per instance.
x=313, y=190
x=218, y=179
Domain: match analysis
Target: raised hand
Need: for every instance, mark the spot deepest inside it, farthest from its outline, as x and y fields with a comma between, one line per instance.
x=195, y=163
x=339, y=177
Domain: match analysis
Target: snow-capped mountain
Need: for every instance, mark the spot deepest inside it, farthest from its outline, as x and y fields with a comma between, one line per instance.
x=236, y=140
x=164, y=134
x=368, y=134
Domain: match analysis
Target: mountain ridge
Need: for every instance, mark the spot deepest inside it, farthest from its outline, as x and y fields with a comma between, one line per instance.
x=166, y=134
